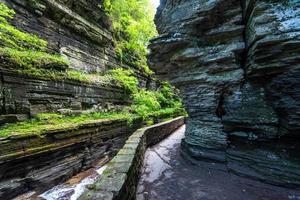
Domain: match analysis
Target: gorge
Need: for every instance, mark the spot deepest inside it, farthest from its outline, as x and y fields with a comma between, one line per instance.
x=76, y=94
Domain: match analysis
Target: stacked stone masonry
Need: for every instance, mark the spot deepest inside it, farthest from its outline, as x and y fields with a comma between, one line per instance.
x=120, y=179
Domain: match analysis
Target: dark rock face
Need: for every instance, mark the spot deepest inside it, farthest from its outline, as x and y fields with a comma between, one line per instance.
x=24, y=95
x=81, y=31
x=237, y=66
x=71, y=28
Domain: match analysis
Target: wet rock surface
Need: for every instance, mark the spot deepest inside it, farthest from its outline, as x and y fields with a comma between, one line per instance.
x=167, y=174
x=236, y=64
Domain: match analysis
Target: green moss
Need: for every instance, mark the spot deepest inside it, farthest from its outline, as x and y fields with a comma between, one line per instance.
x=14, y=38
x=125, y=78
x=25, y=52
x=47, y=122
x=89, y=78
x=27, y=59
x=50, y=122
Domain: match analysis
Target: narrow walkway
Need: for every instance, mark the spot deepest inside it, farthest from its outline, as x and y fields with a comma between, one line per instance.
x=168, y=175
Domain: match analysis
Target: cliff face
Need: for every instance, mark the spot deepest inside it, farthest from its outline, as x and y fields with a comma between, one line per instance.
x=79, y=30
x=237, y=66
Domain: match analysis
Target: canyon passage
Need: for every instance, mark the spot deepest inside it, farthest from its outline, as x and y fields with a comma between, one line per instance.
x=120, y=100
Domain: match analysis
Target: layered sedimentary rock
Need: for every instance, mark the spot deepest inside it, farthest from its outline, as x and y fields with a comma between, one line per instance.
x=236, y=64
x=74, y=28
x=22, y=96
x=39, y=162
x=79, y=30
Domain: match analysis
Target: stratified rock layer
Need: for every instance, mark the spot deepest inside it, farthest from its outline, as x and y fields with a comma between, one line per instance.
x=81, y=32
x=39, y=162
x=237, y=66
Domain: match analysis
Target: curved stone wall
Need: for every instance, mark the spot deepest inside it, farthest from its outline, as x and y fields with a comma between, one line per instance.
x=120, y=179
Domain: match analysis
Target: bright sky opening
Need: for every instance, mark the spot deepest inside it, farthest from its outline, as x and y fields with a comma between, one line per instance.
x=155, y=3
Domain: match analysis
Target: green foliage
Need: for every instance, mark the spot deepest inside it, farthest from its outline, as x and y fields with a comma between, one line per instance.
x=145, y=102
x=134, y=27
x=95, y=78
x=14, y=38
x=150, y=105
x=168, y=95
x=5, y=13
x=107, y=5
x=125, y=78
x=31, y=59
x=49, y=122
x=25, y=52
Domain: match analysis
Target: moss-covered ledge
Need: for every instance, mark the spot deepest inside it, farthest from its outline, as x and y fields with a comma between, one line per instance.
x=17, y=146
x=120, y=179
x=28, y=161
x=67, y=17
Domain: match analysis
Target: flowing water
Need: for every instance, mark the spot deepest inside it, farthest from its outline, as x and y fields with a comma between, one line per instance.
x=167, y=174
x=70, y=190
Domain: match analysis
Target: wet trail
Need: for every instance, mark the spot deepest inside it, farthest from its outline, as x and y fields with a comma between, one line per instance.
x=167, y=174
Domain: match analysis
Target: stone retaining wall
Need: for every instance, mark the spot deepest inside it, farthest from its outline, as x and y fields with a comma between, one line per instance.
x=120, y=179
x=39, y=162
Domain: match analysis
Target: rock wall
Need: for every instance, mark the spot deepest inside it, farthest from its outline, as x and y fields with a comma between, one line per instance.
x=236, y=63
x=79, y=30
x=24, y=96
x=39, y=162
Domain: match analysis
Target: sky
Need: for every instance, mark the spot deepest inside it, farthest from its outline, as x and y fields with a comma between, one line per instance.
x=155, y=3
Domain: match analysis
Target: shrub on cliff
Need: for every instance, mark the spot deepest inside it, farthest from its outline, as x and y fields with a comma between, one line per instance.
x=147, y=103
x=133, y=28
x=125, y=78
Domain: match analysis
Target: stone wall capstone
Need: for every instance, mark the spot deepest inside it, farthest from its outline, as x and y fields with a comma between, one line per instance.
x=120, y=179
